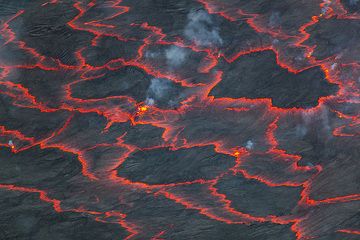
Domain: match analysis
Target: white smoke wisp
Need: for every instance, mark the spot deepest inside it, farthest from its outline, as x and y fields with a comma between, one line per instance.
x=201, y=30
x=159, y=87
x=301, y=130
x=249, y=145
x=319, y=118
x=275, y=20
x=149, y=101
x=157, y=91
x=333, y=66
x=175, y=56
x=151, y=54
x=325, y=120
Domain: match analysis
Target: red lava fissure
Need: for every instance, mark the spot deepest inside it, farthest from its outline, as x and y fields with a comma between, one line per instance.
x=118, y=138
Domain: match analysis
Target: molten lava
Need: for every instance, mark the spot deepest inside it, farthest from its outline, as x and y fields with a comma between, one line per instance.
x=186, y=119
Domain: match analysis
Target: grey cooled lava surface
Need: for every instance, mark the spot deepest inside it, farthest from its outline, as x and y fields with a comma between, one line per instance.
x=179, y=119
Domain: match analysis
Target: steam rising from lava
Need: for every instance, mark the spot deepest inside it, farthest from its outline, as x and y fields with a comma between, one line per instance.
x=202, y=30
x=175, y=56
x=76, y=121
x=161, y=92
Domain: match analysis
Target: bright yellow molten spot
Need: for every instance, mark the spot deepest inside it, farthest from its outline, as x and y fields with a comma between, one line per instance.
x=143, y=108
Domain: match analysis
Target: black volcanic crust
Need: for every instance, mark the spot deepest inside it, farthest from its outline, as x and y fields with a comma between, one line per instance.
x=31, y=122
x=336, y=37
x=257, y=75
x=161, y=166
x=127, y=81
x=252, y=197
x=109, y=49
x=50, y=34
x=353, y=6
x=24, y=214
x=112, y=126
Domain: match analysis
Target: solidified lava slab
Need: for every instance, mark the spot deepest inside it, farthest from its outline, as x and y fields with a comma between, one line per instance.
x=271, y=16
x=137, y=135
x=337, y=37
x=159, y=166
x=106, y=49
x=353, y=6
x=49, y=34
x=179, y=119
x=12, y=55
x=121, y=82
x=257, y=75
x=28, y=167
x=179, y=63
x=25, y=214
x=313, y=140
x=250, y=196
x=242, y=38
x=46, y=86
x=80, y=128
x=131, y=82
x=13, y=119
x=338, y=216
x=196, y=226
x=275, y=167
x=237, y=121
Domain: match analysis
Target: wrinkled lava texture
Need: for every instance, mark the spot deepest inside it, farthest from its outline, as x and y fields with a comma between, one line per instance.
x=179, y=119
